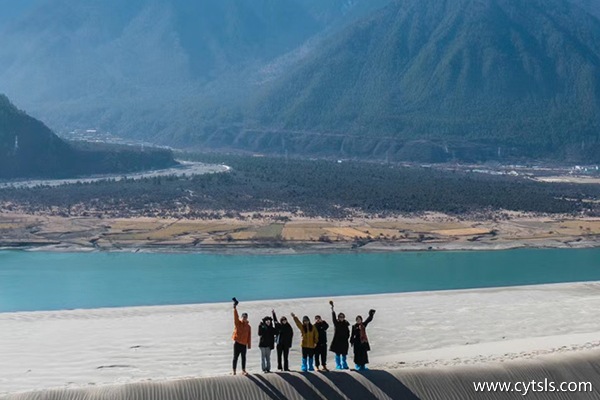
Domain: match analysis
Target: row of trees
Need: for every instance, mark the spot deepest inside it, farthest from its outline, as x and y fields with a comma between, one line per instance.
x=313, y=187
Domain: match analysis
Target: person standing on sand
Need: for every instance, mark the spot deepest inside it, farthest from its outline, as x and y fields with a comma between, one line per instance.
x=310, y=338
x=321, y=349
x=285, y=335
x=360, y=341
x=267, y=333
x=341, y=335
x=241, y=337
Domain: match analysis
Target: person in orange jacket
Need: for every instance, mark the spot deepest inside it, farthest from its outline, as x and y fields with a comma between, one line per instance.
x=241, y=337
x=310, y=338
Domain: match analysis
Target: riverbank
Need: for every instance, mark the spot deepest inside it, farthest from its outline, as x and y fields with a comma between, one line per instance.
x=433, y=330
x=279, y=233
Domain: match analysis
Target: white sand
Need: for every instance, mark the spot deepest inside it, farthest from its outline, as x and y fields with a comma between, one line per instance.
x=106, y=346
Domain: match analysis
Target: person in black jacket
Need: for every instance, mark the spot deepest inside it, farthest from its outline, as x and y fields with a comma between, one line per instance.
x=360, y=341
x=321, y=349
x=341, y=334
x=267, y=333
x=285, y=335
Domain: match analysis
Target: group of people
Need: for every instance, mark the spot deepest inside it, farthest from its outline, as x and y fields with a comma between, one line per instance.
x=279, y=334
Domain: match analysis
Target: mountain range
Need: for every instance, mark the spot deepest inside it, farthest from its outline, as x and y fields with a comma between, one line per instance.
x=28, y=148
x=429, y=80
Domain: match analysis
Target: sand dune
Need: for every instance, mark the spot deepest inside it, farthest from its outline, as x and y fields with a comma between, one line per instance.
x=438, y=383
x=411, y=333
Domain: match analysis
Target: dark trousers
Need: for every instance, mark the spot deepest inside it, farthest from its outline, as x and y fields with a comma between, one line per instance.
x=321, y=354
x=308, y=352
x=239, y=349
x=285, y=352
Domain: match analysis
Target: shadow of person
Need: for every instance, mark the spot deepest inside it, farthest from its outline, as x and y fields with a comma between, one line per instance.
x=305, y=390
x=267, y=387
x=390, y=385
x=324, y=386
x=349, y=386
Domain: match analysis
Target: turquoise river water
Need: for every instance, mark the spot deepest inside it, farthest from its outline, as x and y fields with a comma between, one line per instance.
x=32, y=281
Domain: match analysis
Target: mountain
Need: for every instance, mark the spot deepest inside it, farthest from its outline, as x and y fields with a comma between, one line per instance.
x=430, y=80
x=28, y=148
x=481, y=77
x=150, y=69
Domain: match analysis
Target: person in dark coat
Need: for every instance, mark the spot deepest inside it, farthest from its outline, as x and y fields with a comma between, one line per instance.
x=267, y=333
x=360, y=342
x=341, y=335
x=285, y=335
x=321, y=349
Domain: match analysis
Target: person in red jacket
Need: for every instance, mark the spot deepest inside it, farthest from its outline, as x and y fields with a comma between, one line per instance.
x=241, y=337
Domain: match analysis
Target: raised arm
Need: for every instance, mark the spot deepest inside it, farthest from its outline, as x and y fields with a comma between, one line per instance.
x=369, y=318
x=297, y=321
x=274, y=316
x=236, y=317
x=333, y=316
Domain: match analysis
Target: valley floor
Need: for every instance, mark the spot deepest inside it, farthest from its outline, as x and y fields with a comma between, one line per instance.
x=271, y=232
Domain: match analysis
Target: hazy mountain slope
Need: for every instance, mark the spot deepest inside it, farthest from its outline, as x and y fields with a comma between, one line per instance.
x=28, y=148
x=151, y=69
x=424, y=80
x=510, y=72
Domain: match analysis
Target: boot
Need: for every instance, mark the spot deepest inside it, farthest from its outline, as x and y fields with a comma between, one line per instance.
x=303, y=364
x=344, y=363
x=310, y=364
x=338, y=361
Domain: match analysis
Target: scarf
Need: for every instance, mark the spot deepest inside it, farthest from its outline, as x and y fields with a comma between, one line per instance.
x=363, y=334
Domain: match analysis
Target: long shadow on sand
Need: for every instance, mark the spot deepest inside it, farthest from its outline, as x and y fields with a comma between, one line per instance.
x=324, y=387
x=389, y=385
x=267, y=387
x=301, y=387
x=348, y=385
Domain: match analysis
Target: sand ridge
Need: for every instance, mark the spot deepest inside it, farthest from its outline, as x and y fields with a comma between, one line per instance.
x=420, y=383
x=83, y=348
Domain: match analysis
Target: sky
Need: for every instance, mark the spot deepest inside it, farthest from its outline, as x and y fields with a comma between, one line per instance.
x=12, y=9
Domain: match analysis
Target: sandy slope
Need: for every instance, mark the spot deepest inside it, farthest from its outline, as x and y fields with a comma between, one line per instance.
x=91, y=348
x=539, y=379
